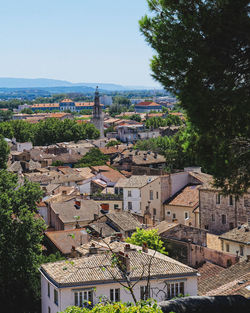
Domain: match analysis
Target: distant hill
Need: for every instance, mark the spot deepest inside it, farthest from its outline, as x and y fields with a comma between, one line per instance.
x=7, y=82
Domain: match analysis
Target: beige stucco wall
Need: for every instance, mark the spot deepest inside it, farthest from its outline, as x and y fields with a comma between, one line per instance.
x=179, y=211
x=161, y=191
x=213, y=242
x=234, y=247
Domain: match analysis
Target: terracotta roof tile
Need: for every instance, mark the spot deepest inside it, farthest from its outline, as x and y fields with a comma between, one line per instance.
x=230, y=281
x=189, y=197
x=241, y=234
x=87, y=270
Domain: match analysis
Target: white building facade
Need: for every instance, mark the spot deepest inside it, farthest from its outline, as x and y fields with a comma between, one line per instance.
x=56, y=299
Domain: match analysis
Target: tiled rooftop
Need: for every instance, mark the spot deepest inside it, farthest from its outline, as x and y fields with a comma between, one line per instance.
x=98, y=267
x=189, y=197
x=230, y=281
x=239, y=234
x=135, y=181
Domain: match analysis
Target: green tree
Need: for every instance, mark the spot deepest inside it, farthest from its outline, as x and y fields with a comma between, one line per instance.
x=20, y=245
x=93, y=158
x=121, y=100
x=149, y=237
x=5, y=115
x=27, y=111
x=149, y=306
x=4, y=152
x=136, y=117
x=202, y=56
x=112, y=143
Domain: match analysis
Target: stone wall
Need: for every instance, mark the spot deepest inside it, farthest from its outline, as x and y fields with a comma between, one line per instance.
x=220, y=217
x=187, y=234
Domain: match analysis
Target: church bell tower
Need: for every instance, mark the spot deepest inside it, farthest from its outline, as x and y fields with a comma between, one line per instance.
x=98, y=118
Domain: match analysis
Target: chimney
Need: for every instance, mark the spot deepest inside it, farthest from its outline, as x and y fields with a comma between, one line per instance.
x=124, y=262
x=145, y=247
x=92, y=249
x=127, y=247
x=73, y=252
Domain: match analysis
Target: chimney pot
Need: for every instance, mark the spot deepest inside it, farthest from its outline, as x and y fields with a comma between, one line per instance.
x=145, y=247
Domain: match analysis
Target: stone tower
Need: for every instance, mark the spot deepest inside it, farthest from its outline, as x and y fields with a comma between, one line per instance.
x=98, y=118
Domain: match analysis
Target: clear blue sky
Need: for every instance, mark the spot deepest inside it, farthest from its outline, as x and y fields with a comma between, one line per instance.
x=75, y=40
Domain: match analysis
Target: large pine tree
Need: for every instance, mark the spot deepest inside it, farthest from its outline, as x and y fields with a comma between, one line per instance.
x=202, y=56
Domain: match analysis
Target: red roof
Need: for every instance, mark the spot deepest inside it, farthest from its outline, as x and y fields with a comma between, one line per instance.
x=148, y=103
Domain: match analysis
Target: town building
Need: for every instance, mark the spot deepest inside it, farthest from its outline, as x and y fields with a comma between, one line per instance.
x=66, y=104
x=184, y=206
x=145, y=195
x=106, y=100
x=130, y=133
x=88, y=278
x=219, y=213
x=237, y=241
x=147, y=106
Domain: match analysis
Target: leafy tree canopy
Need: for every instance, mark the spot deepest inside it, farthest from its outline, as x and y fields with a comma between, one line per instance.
x=48, y=131
x=21, y=236
x=4, y=152
x=148, y=236
x=112, y=143
x=136, y=117
x=180, y=150
x=93, y=158
x=148, y=306
x=202, y=56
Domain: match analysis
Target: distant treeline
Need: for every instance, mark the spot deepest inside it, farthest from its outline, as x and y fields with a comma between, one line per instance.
x=49, y=131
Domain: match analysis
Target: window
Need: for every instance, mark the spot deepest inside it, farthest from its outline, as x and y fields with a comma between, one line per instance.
x=231, y=225
x=154, y=211
x=175, y=289
x=48, y=290
x=49, y=311
x=115, y=295
x=157, y=194
x=129, y=193
x=217, y=198
x=116, y=206
x=174, y=215
x=116, y=191
x=55, y=296
x=83, y=297
x=227, y=247
x=168, y=213
x=223, y=219
x=213, y=218
x=206, y=227
x=230, y=200
x=242, y=250
x=151, y=194
x=145, y=292
x=186, y=215
x=129, y=205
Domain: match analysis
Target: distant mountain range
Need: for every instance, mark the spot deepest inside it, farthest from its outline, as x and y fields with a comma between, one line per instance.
x=6, y=82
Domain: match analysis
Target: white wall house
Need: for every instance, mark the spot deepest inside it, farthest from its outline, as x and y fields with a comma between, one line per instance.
x=65, y=284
